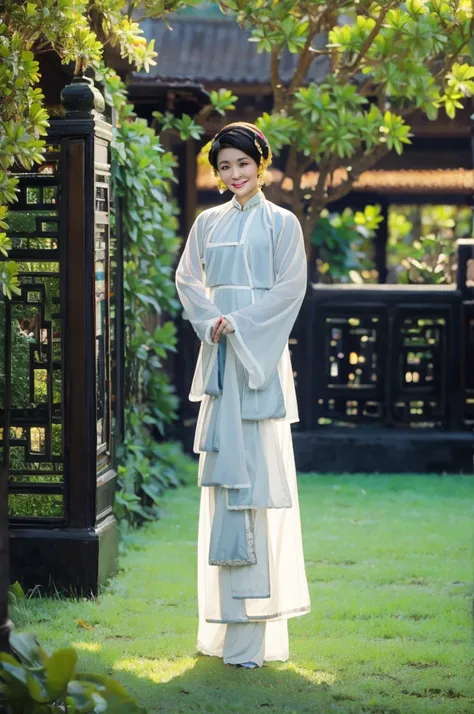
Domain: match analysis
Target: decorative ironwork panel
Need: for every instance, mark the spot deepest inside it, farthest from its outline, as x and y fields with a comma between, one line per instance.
x=103, y=322
x=34, y=219
x=348, y=385
x=56, y=353
x=300, y=359
x=31, y=381
x=468, y=331
x=421, y=351
x=389, y=363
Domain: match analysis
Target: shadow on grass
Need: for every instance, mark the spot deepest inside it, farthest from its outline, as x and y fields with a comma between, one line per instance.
x=186, y=683
x=210, y=686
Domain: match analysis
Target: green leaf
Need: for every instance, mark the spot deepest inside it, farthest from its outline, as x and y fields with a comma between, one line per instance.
x=59, y=668
x=36, y=687
x=12, y=677
x=15, y=593
x=24, y=644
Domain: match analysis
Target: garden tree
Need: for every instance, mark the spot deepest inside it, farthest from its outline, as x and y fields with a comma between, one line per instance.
x=78, y=31
x=381, y=62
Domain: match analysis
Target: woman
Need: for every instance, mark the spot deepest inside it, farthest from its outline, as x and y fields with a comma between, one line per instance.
x=241, y=280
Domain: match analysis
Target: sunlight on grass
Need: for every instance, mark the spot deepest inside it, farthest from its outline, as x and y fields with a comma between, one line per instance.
x=156, y=670
x=316, y=677
x=86, y=646
x=389, y=565
x=166, y=670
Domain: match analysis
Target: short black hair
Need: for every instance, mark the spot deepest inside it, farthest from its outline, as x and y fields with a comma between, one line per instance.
x=242, y=136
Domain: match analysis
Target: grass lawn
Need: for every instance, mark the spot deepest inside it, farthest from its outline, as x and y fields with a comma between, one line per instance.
x=389, y=562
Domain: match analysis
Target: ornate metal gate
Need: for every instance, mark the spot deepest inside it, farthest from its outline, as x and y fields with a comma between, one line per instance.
x=62, y=357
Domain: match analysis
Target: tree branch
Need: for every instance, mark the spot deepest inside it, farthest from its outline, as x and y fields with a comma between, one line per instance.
x=291, y=163
x=354, y=66
x=308, y=53
x=275, y=78
x=203, y=114
x=325, y=167
x=274, y=192
x=366, y=163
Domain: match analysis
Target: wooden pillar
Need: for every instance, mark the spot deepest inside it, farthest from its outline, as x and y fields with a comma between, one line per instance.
x=186, y=193
x=380, y=244
x=190, y=205
x=73, y=548
x=5, y=624
x=179, y=364
x=462, y=396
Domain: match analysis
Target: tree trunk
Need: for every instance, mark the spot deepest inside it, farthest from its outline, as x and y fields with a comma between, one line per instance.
x=309, y=224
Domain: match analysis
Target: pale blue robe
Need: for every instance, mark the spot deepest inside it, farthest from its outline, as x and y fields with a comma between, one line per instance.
x=248, y=265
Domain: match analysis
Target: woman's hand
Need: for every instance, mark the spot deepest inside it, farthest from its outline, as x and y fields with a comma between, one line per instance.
x=221, y=327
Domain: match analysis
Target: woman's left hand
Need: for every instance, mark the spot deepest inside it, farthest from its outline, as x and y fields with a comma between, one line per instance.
x=221, y=328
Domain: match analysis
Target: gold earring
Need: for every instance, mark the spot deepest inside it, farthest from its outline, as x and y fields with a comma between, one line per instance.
x=260, y=180
x=221, y=187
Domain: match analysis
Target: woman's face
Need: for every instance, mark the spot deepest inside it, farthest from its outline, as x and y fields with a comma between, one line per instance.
x=239, y=173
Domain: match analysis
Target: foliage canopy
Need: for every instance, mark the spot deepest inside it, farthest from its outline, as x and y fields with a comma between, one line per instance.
x=78, y=31
x=377, y=63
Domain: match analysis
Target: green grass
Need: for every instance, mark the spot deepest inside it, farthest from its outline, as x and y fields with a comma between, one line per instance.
x=389, y=562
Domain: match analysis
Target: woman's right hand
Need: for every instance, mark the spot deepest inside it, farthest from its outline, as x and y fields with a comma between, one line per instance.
x=221, y=327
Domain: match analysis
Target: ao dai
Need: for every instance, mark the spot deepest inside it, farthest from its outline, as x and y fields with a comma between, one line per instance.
x=247, y=264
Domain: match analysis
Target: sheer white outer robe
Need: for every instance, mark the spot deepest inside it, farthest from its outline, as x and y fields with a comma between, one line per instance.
x=247, y=264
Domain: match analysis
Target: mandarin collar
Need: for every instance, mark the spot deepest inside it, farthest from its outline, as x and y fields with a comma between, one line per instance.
x=254, y=201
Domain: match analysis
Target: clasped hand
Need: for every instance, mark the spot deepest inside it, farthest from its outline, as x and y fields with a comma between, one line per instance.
x=221, y=327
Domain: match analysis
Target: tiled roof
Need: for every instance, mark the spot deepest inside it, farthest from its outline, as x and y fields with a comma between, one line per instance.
x=444, y=181
x=213, y=51
x=448, y=181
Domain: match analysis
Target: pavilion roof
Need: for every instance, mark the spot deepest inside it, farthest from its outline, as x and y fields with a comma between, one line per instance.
x=213, y=51
x=404, y=181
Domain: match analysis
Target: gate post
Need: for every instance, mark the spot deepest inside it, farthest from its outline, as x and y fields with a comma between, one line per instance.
x=465, y=285
x=62, y=466
x=5, y=624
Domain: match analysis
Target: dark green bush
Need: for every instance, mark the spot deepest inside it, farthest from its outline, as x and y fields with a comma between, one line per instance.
x=143, y=173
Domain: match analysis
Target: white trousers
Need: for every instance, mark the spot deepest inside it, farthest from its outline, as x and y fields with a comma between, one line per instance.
x=244, y=642
x=239, y=642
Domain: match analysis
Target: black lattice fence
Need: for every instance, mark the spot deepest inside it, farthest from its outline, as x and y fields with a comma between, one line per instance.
x=384, y=376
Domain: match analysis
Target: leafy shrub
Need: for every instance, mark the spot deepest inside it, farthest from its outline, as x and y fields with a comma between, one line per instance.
x=20, y=350
x=422, y=242
x=77, y=32
x=344, y=242
x=143, y=173
x=31, y=682
x=148, y=468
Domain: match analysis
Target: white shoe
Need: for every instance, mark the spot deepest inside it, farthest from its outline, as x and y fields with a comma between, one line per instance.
x=248, y=665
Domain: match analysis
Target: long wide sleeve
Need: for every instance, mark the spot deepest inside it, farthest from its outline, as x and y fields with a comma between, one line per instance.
x=198, y=309
x=262, y=329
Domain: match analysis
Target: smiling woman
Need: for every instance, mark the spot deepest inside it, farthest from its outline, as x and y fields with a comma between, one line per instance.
x=239, y=173
x=242, y=279
x=240, y=154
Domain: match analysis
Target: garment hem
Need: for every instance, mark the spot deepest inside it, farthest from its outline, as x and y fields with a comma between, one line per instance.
x=208, y=653
x=221, y=485
x=237, y=563
x=285, y=614
x=258, y=508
